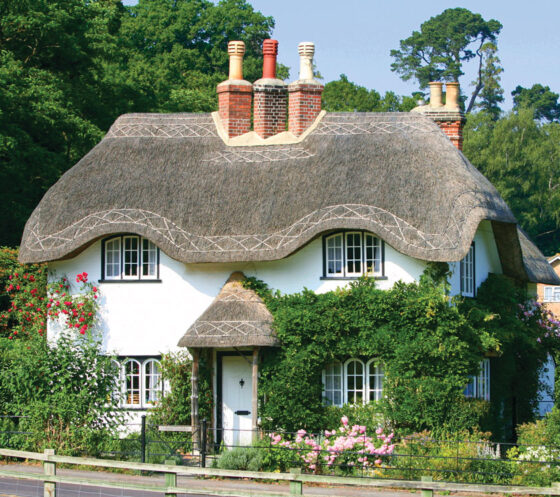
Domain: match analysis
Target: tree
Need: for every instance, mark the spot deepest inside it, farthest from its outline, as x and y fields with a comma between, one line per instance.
x=343, y=95
x=68, y=68
x=492, y=94
x=540, y=99
x=521, y=157
x=437, y=52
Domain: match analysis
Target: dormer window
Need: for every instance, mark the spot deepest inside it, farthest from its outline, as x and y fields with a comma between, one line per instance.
x=129, y=258
x=351, y=254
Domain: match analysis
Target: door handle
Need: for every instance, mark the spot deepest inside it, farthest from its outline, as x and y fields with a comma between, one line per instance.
x=242, y=413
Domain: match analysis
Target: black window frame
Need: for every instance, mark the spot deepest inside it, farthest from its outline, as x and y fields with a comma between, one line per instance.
x=344, y=276
x=121, y=279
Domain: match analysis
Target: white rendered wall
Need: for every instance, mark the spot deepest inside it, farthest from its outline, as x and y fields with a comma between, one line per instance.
x=140, y=318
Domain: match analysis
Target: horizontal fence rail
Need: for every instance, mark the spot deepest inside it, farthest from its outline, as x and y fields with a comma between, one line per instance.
x=295, y=478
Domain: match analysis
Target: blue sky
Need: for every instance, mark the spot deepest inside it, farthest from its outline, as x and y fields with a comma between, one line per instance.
x=354, y=37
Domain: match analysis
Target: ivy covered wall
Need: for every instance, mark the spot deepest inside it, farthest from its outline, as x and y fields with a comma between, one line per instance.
x=427, y=343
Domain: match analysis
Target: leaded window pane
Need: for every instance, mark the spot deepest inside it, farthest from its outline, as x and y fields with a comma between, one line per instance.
x=375, y=381
x=149, y=259
x=132, y=380
x=334, y=255
x=131, y=257
x=354, y=381
x=353, y=254
x=152, y=382
x=333, y=384
x=113, y=258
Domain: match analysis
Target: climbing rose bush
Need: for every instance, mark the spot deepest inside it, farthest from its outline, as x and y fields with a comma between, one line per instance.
x=78, y=311
x=533, y=312
x=346, y=448
x=33, y=301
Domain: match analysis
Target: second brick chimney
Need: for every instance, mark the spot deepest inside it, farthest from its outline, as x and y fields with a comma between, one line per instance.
x=448, y=117
x=305, y=93
x=271, y=95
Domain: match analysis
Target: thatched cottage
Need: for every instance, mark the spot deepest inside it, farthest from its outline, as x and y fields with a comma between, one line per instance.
x=169, y=211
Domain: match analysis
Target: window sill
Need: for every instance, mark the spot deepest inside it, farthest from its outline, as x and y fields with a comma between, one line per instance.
x=130, y=281
x=351, y=278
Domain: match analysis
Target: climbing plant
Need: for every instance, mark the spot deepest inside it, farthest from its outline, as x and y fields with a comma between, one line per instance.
x=428, y=343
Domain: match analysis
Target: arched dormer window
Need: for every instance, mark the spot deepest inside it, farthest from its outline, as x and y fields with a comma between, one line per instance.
x=351, y=254
x=129, y=258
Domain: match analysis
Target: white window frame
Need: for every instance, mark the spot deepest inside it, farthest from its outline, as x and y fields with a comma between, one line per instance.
x=355, y=392
x=116, y=245
x=336, y=248
x=152, y=383
x=131, y=394
x=479, y=386
x=145, y=386
x=368, y=390
x=330, y=390
x=551, y=294
x=467, y=268
x=374, y=384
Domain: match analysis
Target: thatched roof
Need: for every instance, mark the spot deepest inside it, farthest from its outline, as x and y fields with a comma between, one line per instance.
x=237, y=318
x=170, y=178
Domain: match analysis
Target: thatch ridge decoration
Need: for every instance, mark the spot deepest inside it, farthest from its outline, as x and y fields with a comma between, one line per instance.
x=393, y=229
x=236, y=318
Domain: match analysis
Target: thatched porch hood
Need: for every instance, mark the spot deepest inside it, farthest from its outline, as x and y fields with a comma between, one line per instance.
x=237, y=318
x=171, y=178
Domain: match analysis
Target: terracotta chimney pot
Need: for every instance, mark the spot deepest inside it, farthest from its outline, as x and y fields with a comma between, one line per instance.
x=236, y=49
x=235, y=95
x=270, y=51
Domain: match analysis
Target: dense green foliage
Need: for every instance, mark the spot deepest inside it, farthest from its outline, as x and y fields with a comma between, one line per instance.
x=541, y=99
x=428, y=349
x=345, y=96
x=68, y=68
x=65, y=391
x=446, y=41
x=521, y=157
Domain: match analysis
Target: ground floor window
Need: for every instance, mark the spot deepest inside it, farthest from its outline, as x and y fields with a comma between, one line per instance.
x=479, y=386
x=352, y=382
x=141, y=383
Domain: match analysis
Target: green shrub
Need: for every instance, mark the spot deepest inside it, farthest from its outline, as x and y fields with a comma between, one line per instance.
x=66, y=392
x=462, y=456
x=241, y=458
x=536, y=460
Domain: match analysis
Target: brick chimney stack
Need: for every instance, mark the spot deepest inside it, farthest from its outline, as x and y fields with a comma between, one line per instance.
x=305, y=93
x=271, y=95
x=235, y=94
x=448, y=117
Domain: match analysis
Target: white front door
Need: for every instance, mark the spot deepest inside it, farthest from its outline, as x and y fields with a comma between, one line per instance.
x=237, y=387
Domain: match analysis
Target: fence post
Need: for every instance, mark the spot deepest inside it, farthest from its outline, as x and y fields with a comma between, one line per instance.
x=296, y=487
x=427, y=492
x=170, y=479
x=203, y=441
x=49, y=469
x=143, y=439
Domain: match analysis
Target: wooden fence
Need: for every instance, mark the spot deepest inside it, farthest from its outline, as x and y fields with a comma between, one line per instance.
x=295, y=478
